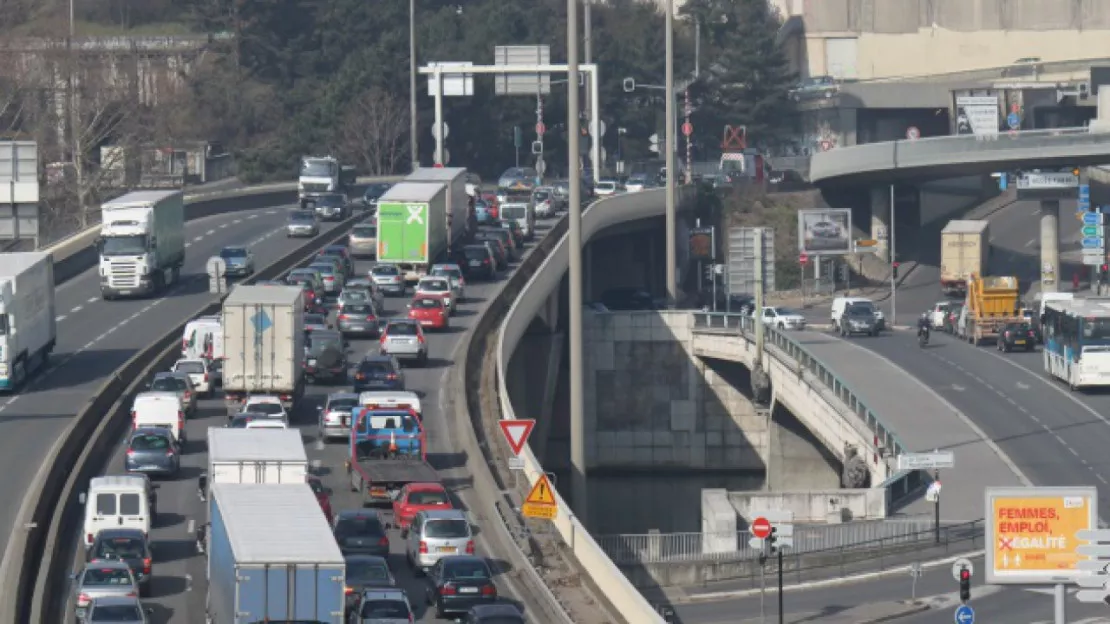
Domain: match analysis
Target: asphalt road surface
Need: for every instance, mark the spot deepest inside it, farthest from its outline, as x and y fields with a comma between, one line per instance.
x=95, y=337
x=179, y=585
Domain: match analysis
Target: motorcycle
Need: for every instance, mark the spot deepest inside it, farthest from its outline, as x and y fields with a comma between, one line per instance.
x=922, y=337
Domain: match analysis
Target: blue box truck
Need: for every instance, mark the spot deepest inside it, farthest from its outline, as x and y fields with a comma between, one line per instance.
x=272, y=556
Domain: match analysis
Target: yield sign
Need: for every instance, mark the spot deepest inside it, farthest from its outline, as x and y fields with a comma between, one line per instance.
x=517, y=432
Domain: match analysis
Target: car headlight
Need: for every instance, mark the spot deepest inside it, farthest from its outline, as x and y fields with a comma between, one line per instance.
x=312, y=361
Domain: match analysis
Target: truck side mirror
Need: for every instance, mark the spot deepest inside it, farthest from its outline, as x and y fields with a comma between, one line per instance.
x=82, y=497
x=202, y=481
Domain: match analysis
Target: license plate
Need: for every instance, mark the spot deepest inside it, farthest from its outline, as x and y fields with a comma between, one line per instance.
x=425, y=322
x=151, y=467
x=125, y=292
x=468, y=590
x=358, y=327
x=377, y=491
x=1019, y=342
x=447, y=549
x=475, y=263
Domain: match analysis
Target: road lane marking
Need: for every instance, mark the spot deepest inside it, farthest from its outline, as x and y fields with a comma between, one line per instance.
x=1031, y=242
x=93, y=299
x=59, y=319
x=76, y=309
x=198, y=239
x=210, y=232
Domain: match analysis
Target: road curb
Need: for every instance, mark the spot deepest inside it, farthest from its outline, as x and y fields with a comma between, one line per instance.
x=910, y=609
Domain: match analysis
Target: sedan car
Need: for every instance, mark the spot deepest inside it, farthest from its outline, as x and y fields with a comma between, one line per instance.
x=458, y=583
x=495, y=613
x=363, y=240
x=152, y=451
x=179, y=383
x=1017, y=336
x=389, y=279
x=316, y=322
x=358, y=319
x=859, y=319
x=430, y=312
x=335, y=416
x=302, y=223
x=404, y=339
x=437, y=288
x=365, y=283
x=130, y=546
x=379, y=372
x=360, y=532
x=117, y=610
x=102, y=579
x=239, y=260
x=381, y=605
x=197, y=370
x=243, y=420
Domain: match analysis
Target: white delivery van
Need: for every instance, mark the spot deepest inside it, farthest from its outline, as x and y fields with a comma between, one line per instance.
x=116, y=502
x=391, y=399
x=159, y=409
x=203, y=338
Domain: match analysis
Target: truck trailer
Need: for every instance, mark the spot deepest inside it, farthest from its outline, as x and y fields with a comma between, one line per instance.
x=141, y=243
x=263, y=330
x=272, y=557
x=964, y=251
x=412, y=227
x=28, y=326
x=461, y=220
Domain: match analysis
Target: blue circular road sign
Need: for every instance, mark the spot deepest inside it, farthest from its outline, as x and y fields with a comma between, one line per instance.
x=1014, y=121
x=965, y=614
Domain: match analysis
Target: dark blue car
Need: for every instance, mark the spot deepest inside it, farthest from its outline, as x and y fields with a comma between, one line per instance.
x=379, y=372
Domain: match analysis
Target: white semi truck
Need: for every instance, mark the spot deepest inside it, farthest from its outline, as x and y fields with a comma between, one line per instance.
x=142, y=243
x=27, y=320
x=321, y=175
x=263, y=344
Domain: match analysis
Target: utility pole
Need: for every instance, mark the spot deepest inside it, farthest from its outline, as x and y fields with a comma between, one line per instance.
x=893, y=265
x=579, y=499
x=672, y=232
x=689, y=139
x=414, y=143
x=757, y=315
x=588, y=53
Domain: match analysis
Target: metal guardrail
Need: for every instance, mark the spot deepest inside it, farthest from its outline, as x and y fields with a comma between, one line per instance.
x=1013, y=70
x=697, y=547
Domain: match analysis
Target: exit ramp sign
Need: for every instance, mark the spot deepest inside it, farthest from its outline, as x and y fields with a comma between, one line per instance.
x=1036, y=181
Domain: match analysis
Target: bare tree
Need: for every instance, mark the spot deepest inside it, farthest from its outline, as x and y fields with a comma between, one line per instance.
x=374, y=132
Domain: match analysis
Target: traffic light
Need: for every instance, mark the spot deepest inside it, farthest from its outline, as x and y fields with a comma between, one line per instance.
x=844, y=272
x=965, y=585
x=772, y=538
x=894, y=267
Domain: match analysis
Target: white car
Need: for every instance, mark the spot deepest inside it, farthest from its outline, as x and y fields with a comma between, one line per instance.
x=197, y=370
x=783, y=318
x=938, y=314
x=636, y=183
x=439, y=287
x=267, y=424
x=267, y=404
x=606, y=188
x=453, y=273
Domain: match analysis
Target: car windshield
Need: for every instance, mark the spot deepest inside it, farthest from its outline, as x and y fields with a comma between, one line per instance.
x=384, y=610
x=315, y=319
x=475, y=253
x=366, y=572
x=451, y=273
x=265, y=408
x=1017, y=327
x=385, y=269
x=467, y=569
x=375, y=191
x=514, y=212
x=329, y=200
x=859, y=311
x=301, y=217
x=190, y=367
x=323, y=269
x=358, y=308
x=364, y=231
x=355, y=295
x=318, y=342
x=375, y=369
x=434, y=285
x=169, y=384
x=447, y=529
x=785, y=312
x=606, y=186
x=116, y=613
x=401, y=329
x=317, y=167
x=345, y=404
x=105, y=577
x=120, y=548
x=426, y=303
x=149, y=442
x=541, y=196
x=429, y=497
x=228, y=253
x=358, y=526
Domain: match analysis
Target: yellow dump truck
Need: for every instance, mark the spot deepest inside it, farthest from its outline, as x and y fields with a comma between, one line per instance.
x=992, y=302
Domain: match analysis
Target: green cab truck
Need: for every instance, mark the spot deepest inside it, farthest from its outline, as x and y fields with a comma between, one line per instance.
x=412, y=227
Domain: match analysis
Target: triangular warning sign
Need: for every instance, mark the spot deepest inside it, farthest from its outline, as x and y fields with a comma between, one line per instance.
x=517, y=432
x=541, y=493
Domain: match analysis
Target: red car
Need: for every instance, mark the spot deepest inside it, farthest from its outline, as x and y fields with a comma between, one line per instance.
x=322, y=497
x=491, y=202
x=430, y=311
x=417, y=497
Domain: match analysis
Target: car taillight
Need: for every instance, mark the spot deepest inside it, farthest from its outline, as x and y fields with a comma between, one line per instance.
x=371, y=318
x=360, y=377
x=342, y=317
x=485, y=260
x=130, y=452
x=88, y=538
x=188, y=395
x=181, y=419
x=470, y=547
x=384, y=541
x=420, y=337
x=381, y=340
x=1030, y=333
x=448, y=590
x=169, y=452
x=206, y=378
x=146, y=565
x=348, y=590
x=423, y=548
x=489, y=590
x=329, y=278
x=286, y=397
x=83, y=600
x=391, y=377
x=133, y=418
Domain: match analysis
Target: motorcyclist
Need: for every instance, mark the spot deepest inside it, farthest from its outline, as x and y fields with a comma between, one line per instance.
x=923, y=324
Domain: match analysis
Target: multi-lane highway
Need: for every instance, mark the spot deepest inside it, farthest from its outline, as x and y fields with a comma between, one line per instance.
x=95, y=337
x=179, y=586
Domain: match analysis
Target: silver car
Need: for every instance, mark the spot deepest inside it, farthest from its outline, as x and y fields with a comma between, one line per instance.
x=438, y=533
x=368, y=284
x=333, y=277
x=389, y=279
x=335, y=416
x=354, y=295
x=383, y=606
x=239, y=260
x=363, y=240
x=302, y=223
x=404, y=339
x=454, y=274
x=102, y=579
x=118, y=610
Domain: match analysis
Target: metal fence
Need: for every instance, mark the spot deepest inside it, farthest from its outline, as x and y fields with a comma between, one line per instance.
x=836, y=540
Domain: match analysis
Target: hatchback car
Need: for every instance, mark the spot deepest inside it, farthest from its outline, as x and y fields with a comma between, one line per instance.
x=358, y=319
x=366, y=572
x=458, y=583
x=480, y=262
x=439, y=288
x=335, y=415
x=302, y=223
x=102, y=579
x=389, y=279
x=197, y=370
x=117, y=610
x=363, y=240
x=404, y=339
x=325, y=357
x=382, y=606
x=506, y=239
x=332, y=272
x=415, y=498
x=435, y=534
x=266, y=404
x=500, y=253
x=316, y=322
x=339, y=252
x=130, y=546
x=360, y=532
x=152, y=451
x=454, y=274
x=379, y=372
x=239, y=260
x=1017, y=336
x=179, y=383
x=430, y=312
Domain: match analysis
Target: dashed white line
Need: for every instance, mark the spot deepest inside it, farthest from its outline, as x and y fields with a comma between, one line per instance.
x=253, y=216
x=237, y=221
x=93, y=299
x=210, y=232
x=224, y=225
x=76, y=309
x=198, y=239
x=59, y=319
x=269, y=212
x=1031, y=242
x=188, y=245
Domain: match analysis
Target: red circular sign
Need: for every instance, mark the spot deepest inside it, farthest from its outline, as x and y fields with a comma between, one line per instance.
x=540, y=128
x=687, y=128
x=761, y=528
x=826, y=146
x=913, y=133
x=803, y=258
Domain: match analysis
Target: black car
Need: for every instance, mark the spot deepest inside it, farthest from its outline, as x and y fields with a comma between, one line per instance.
x=459, y=582
x=500, y=254
x=379, y=372
x=329, y=206
x=1017, y=336
x=130, y=546
x=859, y=319
x=326, y=357
x=361, y=532
x=373, y=192
x=496, y=613
x=366, y=572
x=480, y=263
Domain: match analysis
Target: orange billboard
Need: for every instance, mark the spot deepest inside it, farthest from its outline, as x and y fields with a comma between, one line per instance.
x=1031, y=532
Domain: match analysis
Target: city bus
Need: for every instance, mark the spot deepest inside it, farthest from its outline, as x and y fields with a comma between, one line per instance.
x=1077, y=342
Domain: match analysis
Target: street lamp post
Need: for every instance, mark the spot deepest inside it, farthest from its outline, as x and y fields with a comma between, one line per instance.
x=414, y=143
x=671, y=259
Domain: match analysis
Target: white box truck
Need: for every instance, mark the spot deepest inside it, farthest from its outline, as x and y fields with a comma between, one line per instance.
x=263, y=344
x=254, y=456
x=964, y=251
x=141, y=243
x=27, y=320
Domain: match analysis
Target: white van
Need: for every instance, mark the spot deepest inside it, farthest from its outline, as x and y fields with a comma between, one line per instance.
x=159, y=409
x=116, y=502
x=840, y=303
x=391, y=399
x=203, y=338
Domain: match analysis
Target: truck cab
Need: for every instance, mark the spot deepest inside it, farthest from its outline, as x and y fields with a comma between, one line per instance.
x=322, y=175
x=141, y=243
x=518, y=206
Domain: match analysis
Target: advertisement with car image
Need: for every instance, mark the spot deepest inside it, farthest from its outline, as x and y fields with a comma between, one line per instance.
x=826, y=231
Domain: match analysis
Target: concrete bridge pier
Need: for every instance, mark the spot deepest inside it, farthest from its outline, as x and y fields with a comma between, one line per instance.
x=881, y=227
x=1050, y=245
